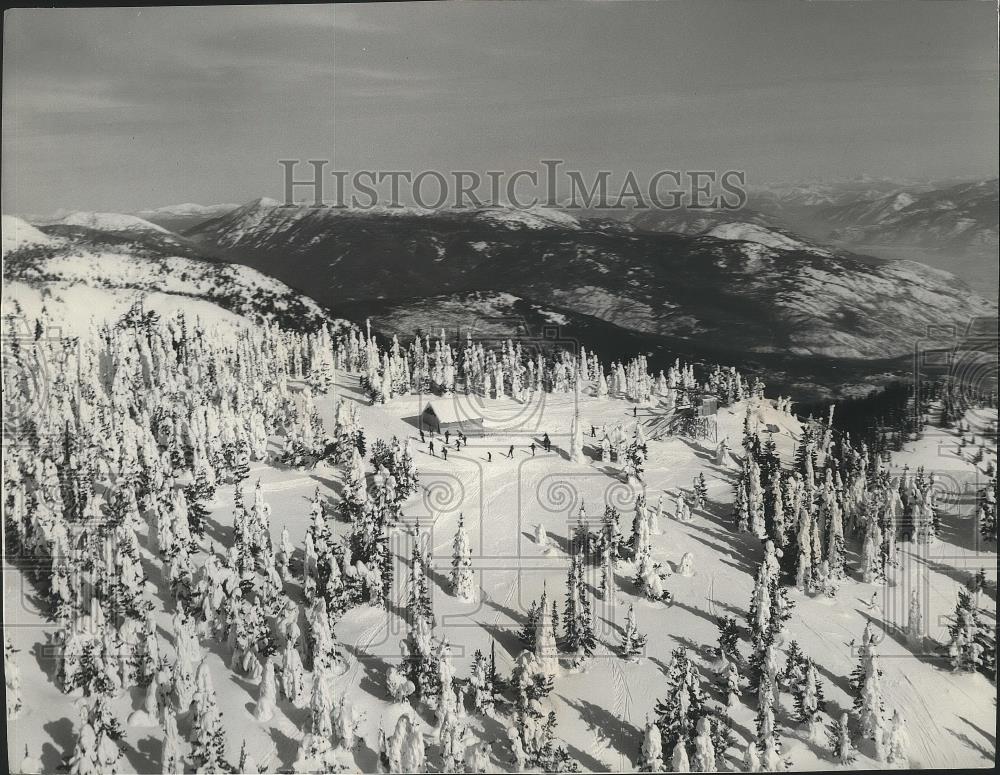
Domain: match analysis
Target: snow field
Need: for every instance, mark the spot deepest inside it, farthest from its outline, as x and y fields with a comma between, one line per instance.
x=602, y=706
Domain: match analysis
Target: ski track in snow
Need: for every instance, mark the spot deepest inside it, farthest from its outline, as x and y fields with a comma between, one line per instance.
x=931, y=698
x=289, y=484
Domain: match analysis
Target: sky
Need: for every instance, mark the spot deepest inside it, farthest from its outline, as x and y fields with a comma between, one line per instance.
x=124, y=109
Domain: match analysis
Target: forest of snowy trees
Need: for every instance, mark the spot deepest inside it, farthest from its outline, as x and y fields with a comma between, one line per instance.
x=108, y=493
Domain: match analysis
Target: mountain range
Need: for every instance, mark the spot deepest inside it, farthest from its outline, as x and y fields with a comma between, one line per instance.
x=78, y=272
x=739, y=287
x=744, y=293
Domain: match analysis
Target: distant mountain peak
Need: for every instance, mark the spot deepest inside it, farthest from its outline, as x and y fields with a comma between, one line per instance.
x=114, y=222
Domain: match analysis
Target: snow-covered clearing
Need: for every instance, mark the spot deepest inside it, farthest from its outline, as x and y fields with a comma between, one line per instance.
x=600, y=708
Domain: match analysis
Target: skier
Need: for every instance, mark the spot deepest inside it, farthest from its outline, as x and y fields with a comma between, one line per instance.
x=444, y=452
x=430, y=448
x=422, y=439
x=532, y=449
x=546, y=443
x=447, y=437
x=873, y=602
x=593, y=432
x=510, y=452
x=489, y=457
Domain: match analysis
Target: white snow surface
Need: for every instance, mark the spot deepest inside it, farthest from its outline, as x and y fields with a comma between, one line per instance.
x=602, y=707
x=18, y=233
x=187, y=209
x=752, y=232
x=78, y=286
x=113, y=222
x=531, y=217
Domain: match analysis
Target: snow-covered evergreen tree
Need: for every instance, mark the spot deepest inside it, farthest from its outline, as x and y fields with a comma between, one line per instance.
x=633, y=643
x=897, y=739
x=704, y=748
x=651, y=750
x=208, y=739
x=462, y=576
x=679, y=713
x=839, y=738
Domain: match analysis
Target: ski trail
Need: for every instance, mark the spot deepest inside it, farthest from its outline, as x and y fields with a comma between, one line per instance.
x=508, y=598
x=623, y=704
x=924, y=727
x=601, y=743
x=289, y=484
x=362, y=644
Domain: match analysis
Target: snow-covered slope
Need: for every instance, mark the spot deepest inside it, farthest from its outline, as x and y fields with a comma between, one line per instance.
x=601, y=706
x=18, y=233
x=92, y=276
x=112, y=222
x=749, y=288
x=187, y=209
x=181, y=217
x=752, y=232
x=532, y=218
x=963, y=217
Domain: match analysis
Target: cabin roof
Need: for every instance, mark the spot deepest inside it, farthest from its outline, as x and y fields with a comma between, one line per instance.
x=453, y=410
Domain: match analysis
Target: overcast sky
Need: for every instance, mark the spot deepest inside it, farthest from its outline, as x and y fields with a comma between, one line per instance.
x=121, y=109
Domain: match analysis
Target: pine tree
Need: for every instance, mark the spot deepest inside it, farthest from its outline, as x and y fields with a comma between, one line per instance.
x=197, y=494
x=482, y=684
x=633, y=643
x=651, y=750
x=96, y=751
x=546, y=651
x=172, y=759
x=897, y=739
x=808, y=693
x=969, y=646
x=987, y=510
x=729, y=637
x=729, y=682
x=840, y=740
x=571, y=610
x=462, y=577
x=704, y=747
x=679, y=758
x=700, y=491
x=527, y=633
x=868, y=701
x=915, y=619
x=208, y=738
x=679, y=713
x=722, y=739
x=293, y=682
x=267, y=693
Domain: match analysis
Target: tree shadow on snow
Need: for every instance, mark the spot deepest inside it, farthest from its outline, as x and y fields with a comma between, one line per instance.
x=46, y=654
x=374, y=681
x=332, y=484
x=286, y=749
x=61, y=739
x=151, y=747
x=506, y=637
x=141, y=761
x=988, y=753
x=365, y=757
x=739, y=560
x=701, y=614
x=619, y=733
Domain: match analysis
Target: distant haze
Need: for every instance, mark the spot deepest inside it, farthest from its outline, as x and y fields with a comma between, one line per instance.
x=124, y=109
